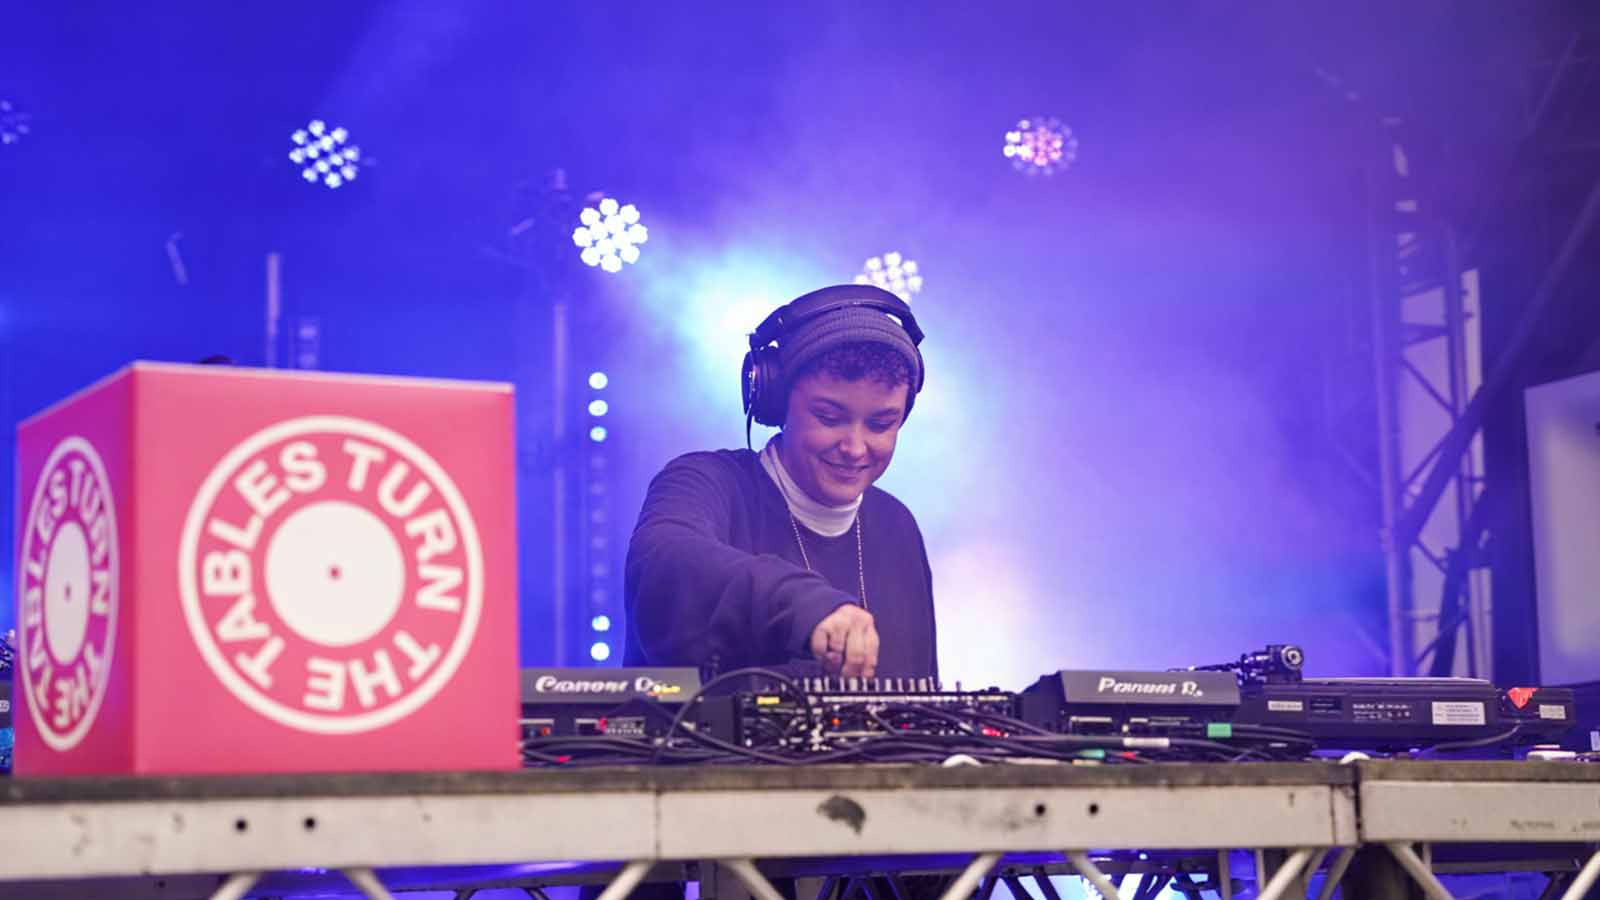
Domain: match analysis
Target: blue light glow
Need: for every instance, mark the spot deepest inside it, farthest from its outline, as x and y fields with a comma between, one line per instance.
x=600, y=652
x=598, y=380
x=598, y=407
x=600, y=623
x=598, y=434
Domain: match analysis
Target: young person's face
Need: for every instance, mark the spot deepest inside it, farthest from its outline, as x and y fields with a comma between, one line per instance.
x=839, y=436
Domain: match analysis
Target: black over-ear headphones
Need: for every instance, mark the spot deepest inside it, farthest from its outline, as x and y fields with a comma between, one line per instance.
x=763, y=381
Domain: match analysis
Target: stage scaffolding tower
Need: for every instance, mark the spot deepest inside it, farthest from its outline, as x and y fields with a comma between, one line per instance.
x=1427, y=360
x=1440, y=517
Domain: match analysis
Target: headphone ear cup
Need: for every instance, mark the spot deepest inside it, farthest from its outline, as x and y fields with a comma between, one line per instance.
x=765, y=382
x=749, y=388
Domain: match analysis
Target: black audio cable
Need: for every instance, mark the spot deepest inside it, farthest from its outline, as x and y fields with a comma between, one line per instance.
x=693, y=703
x=1502, y=737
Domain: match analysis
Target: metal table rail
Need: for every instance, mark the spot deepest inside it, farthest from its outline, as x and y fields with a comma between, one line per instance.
x=720, y=821
x=1408, y=806
x=728, y=816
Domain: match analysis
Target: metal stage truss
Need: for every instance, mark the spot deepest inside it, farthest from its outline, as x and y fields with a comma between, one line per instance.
x=1434, y=386
x=735, y=828
x=1428, y=363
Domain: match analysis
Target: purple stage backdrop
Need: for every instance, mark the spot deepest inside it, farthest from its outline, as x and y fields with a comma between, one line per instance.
x=1133, y=448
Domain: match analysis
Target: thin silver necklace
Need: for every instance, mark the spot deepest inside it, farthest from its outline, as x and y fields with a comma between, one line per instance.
x=861, y=566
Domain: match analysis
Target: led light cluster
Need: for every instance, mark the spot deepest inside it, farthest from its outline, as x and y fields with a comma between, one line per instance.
x=13, y=123
x=610, y=235
x=893, y=273
x=598, y=523
x=325, y=154
x=1041, y=146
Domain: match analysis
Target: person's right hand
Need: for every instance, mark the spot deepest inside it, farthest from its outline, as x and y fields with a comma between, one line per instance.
x=846, y=642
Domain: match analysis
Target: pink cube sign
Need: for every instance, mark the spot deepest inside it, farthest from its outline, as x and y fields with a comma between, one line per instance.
x=231, y=570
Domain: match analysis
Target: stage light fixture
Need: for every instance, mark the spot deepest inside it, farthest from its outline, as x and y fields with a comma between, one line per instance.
x=1041, y=145
x=893, y=273
x=596, y=502
x=325, y=155
x=609, y=235
x=600, y=652
x=14, y=123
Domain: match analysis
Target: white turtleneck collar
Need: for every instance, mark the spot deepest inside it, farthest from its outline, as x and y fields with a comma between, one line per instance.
x=828, y=521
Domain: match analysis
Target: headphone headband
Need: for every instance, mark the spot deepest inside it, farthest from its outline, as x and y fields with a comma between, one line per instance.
x=831, y=299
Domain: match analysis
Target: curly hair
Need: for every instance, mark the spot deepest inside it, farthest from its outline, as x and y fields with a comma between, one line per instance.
x=860, y=359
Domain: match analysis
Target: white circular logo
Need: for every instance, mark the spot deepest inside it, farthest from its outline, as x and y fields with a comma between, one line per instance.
x=68, y=579
x=330, y=574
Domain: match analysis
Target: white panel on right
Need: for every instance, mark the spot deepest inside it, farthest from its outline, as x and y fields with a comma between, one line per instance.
x=1564, y=480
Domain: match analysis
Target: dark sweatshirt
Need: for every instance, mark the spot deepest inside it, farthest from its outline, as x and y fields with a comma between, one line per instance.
x=714, y=575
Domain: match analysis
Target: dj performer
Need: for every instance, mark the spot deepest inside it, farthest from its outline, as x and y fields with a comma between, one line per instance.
x=790, y=558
